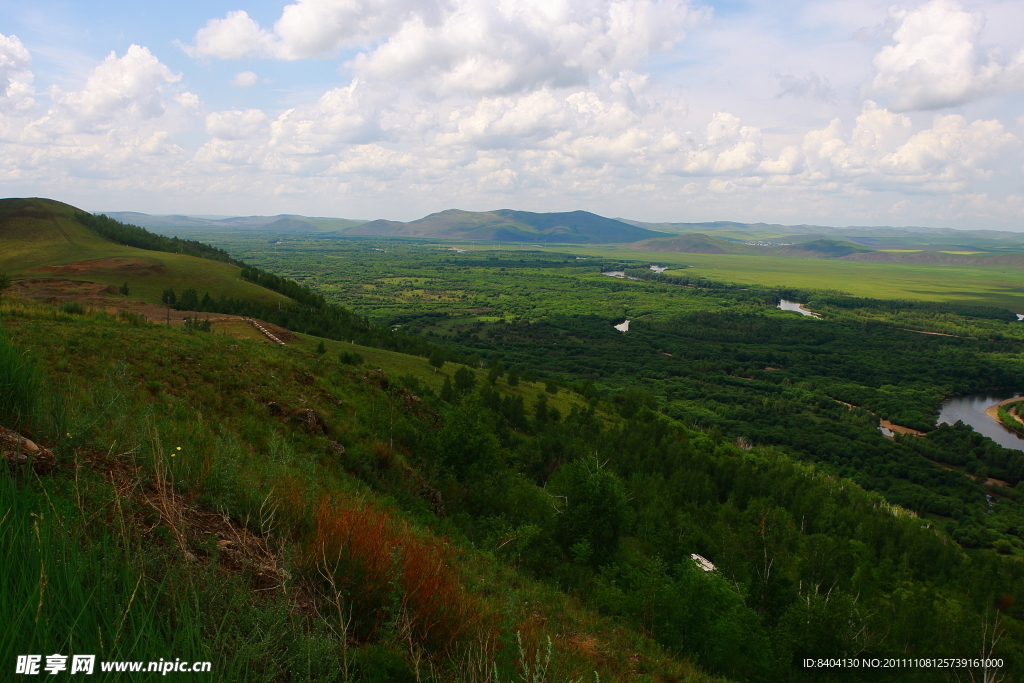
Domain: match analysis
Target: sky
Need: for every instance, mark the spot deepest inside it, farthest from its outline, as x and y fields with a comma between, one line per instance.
x=837, y=112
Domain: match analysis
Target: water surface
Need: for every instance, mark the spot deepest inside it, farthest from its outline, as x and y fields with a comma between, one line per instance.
x=794, y=306
x=970, y=409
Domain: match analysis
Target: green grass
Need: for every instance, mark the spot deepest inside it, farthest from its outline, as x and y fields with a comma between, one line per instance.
x=106, y=563
x=19, y=383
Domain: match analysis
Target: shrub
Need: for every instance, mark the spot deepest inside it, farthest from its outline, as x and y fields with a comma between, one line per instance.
x=388, y=576
x=132, y=318
x=350, y=358
x=194, y=324
x=72, y=307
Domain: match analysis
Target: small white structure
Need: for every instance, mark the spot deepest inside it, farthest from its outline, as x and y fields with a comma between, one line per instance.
x=702, y=563
x=622, y=327
x=659, y=269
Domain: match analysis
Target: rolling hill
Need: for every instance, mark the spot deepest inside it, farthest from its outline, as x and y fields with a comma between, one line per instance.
x=280, y=223
x=506, y=225
x=43, y=243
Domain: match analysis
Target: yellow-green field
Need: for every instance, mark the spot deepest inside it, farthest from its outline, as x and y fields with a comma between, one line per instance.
x=989, y=285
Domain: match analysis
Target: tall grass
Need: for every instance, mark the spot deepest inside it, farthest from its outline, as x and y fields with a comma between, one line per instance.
x=19, y=383
x=58, y=595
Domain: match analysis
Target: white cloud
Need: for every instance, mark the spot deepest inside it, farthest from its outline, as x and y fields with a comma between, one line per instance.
x=15, y=76
x=244, y=79
x=130, y=87
x=461, y=46
x=938, y=60
x=118, y=125
x=235, y=124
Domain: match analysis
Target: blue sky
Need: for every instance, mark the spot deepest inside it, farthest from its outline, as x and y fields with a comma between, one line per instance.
x=867, y=113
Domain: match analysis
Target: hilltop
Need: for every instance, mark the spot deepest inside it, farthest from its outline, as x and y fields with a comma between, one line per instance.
x=46, y=249
x=507, y=225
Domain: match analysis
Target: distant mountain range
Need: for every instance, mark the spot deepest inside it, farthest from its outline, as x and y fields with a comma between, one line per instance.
x=874, y=243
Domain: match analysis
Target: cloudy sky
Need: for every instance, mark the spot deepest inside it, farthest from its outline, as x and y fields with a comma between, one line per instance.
x=834, y=112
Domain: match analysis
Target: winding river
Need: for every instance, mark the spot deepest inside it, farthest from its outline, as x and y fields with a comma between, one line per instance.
x=970, y=409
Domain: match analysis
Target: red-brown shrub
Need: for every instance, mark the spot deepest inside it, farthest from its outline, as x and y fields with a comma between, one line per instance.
x=387, y=574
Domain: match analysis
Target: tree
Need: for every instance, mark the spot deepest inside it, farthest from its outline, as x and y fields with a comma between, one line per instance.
x=540, y=414
x=513, y=377
x=436, y=358
x=123, y=289
x=168, y=297
x=448, y=394
x=465, y=380
x=5, y=281
x=592, y=508
x=551, y=386
x=188, y=301
x=320, y=348
x=496, y=371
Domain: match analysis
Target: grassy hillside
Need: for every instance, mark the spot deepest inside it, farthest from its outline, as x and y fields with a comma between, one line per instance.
x=507, y=225
x=265, y=508
x=42, y=241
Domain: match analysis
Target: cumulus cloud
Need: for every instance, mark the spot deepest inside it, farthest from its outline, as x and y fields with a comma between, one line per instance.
x=456, y=46
x=235, y=124
x=129, y=87
x=938, y=61
x=244, y=79
x=120, y=121
x=15, y=76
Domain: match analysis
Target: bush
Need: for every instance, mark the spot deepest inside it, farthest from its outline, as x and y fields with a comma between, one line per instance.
x=350, y=358
x=133, y=319
x=194, y=324
x=72, y=307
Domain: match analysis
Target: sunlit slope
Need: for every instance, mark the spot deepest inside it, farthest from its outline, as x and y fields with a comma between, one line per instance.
x=40, y=239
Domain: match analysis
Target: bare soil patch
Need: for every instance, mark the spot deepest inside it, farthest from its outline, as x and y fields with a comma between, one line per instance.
x=128, y=264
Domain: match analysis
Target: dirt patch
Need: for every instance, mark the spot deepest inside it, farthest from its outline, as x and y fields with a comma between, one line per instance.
x=60, y=289
x=899, y=429
x=126, y=264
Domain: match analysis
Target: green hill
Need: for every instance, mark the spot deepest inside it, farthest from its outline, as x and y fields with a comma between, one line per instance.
x=42, y=240
x=694, y=243
x=506, y=225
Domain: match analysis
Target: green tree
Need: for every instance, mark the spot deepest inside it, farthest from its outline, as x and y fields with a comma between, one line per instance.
x=513, y=377
x=448, y=394
x=436, y=358
x=5, y=281
x=168, y=297
x=592, y=508
x=465, y=381
x=188, y=301
x=551, y=386
x=321, y=349
x=540, y=411
x=496, y=371
x=123, y=289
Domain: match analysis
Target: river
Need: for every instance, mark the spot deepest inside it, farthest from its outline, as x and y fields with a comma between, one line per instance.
x=970, y=409
x=796, y=308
